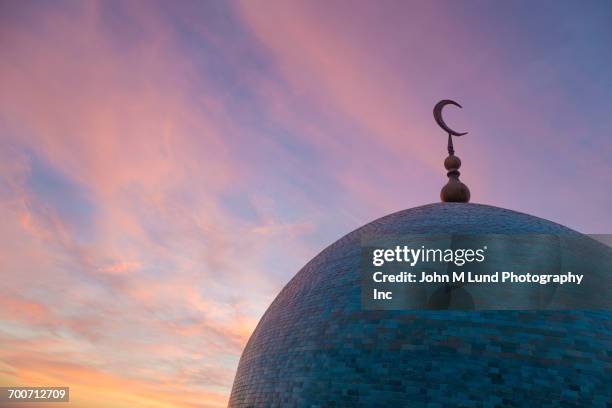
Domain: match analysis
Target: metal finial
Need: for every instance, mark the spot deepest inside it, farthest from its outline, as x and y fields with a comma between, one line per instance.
x=454, y=190
x=437, y=111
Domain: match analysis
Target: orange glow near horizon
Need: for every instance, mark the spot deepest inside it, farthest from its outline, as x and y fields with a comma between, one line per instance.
x=166, y=168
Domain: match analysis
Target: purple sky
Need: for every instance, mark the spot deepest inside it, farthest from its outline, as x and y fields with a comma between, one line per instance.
x=167, y=167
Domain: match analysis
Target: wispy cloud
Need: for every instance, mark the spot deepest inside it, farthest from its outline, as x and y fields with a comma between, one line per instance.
x=165, y=169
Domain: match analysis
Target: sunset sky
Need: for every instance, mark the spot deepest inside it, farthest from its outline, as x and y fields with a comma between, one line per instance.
x=166, y=167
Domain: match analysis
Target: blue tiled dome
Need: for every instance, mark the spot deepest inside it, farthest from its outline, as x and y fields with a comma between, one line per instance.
x=316, y=347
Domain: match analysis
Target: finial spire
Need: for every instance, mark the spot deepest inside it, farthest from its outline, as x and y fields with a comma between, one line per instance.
x=454, y=191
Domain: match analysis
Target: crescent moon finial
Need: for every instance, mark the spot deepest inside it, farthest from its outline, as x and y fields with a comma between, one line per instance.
x=454, y=191
x=437, y=112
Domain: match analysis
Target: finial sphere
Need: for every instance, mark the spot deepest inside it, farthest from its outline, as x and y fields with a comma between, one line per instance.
x=454, y=191
x=452, y=162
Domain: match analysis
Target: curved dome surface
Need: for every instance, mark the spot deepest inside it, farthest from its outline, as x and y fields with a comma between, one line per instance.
x=316, y=347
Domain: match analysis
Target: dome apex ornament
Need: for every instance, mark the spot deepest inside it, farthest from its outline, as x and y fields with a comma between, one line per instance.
x=454, y=191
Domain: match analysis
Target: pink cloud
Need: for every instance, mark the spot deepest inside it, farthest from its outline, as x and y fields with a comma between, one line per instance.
x=189, y=170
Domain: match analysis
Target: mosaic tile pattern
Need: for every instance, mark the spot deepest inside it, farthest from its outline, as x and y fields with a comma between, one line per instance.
x=315, y=347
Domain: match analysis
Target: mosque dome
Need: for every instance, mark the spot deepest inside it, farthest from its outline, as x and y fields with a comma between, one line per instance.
x=316, y=346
